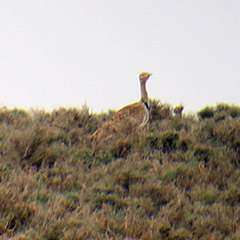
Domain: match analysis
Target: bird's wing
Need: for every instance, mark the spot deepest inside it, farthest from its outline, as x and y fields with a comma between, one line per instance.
x=123, y=121
x=136, y=111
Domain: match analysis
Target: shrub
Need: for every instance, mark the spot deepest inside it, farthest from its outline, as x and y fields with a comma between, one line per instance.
x=169, y=141
x=54, y=231
x=207, y=112
x=232, y=196
x=153, y=141
x=202, y=153
x=127, y=178
x=159, y=111
x=110, y=199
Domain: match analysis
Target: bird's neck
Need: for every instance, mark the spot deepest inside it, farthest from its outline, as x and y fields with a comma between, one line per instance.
x=144, y=95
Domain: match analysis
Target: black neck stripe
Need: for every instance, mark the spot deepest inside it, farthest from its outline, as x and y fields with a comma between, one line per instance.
x=146, y=105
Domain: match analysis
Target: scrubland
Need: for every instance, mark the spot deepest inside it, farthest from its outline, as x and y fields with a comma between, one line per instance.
x=177, y=179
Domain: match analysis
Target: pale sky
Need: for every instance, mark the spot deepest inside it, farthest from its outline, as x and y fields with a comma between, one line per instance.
x=69, y=52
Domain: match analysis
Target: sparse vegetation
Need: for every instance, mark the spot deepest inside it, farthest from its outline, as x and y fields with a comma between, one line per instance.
x=177, y=179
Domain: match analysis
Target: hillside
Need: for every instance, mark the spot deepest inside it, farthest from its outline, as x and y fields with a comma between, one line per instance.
x=177, y=179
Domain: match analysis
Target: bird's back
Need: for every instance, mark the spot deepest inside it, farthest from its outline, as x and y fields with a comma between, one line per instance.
x=124, y=121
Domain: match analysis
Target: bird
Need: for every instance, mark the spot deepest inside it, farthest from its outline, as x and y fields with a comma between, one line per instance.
x=129, y=118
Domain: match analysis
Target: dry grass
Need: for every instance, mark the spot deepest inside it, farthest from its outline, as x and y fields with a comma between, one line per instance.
x=177, y=179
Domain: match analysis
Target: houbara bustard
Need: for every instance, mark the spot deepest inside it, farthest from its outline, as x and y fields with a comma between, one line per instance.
x=129, y=118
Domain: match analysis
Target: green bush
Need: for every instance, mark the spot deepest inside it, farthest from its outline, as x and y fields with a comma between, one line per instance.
x=169, y=141
x=207, y=112
x=109, y=199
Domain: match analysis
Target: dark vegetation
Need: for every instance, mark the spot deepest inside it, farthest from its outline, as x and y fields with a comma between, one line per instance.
x=177, y=179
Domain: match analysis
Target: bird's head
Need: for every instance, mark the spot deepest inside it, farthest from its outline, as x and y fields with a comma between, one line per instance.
x=144, y=76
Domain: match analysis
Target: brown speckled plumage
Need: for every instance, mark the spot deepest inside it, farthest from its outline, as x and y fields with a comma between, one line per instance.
x=128, y=118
